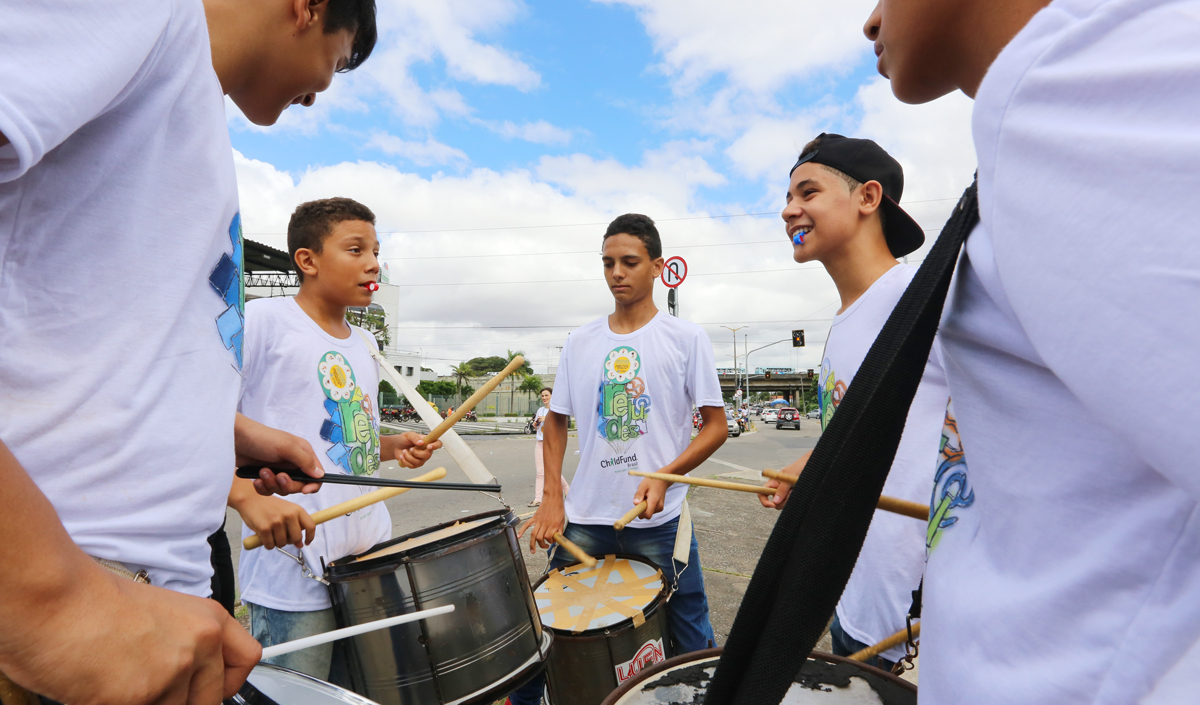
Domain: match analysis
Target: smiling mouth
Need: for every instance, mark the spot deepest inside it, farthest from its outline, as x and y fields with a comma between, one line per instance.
x=798, y=236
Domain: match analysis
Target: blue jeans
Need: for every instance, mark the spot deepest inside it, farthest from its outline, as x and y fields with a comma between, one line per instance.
x=844, y=645
x=690, y=628
x=326, y=662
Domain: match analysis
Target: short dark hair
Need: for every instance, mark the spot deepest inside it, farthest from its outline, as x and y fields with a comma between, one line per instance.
x=358, y=16
x=312, y=222
x=546, y=389
x=639, y=226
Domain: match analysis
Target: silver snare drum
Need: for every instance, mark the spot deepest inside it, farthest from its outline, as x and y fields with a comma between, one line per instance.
x=491, y=644
x=272, y=685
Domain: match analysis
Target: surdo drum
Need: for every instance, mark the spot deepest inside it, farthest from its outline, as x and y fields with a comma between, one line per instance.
x=609, y=623
x=824, y=679
x=492, y=643
x=272, y=685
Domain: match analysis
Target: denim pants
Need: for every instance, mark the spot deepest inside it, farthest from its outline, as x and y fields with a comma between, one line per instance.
x=326, y=662
x=844, y=645
x=690, y=628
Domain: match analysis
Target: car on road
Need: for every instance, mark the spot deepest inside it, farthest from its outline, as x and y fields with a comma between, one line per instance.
x=814, y=413
x=731, y=424
x=770, y=416
x=788, y=417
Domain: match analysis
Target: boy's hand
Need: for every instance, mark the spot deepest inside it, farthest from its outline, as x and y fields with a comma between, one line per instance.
x=783, y=489
x=277, y=522
x=653, y=492
x=255, y=443
x=106, y=641
x=409, y=449
x=550, y=518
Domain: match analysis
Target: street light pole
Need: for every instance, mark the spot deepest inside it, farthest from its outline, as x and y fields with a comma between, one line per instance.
x=736, y=376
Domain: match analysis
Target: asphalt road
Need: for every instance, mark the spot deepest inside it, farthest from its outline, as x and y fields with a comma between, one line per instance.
x=731, y=526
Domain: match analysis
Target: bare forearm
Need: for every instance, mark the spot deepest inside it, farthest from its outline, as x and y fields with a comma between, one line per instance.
x=554, y=449
x=711, y=437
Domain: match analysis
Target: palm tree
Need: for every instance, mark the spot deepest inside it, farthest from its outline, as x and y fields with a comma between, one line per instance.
x=521, y=373
x=531, y=385
x=461, y=373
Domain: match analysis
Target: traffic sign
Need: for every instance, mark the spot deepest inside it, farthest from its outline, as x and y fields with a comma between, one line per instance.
x=674, y=272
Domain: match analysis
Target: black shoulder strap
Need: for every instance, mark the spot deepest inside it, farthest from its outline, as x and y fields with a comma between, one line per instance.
x=814, y=546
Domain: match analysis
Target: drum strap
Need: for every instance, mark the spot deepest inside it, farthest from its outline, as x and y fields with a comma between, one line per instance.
x=818, y=535
x=683, y=537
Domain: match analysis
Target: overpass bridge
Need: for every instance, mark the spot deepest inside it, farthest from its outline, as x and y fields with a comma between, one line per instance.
x=789, y=386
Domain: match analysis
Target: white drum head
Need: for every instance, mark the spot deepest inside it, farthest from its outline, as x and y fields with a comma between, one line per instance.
x=616, y=590
x=287, y=687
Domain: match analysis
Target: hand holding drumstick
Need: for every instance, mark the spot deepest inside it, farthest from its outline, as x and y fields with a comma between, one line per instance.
x=783, y=489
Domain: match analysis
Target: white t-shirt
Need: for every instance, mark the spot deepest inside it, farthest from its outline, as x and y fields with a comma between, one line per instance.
x=302, y=380
x=541, y=414
x=1065, y=559
x=632, y=397
x=889, y=568
x=120, y=276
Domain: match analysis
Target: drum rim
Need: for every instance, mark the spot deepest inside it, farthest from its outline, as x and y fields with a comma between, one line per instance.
x=511, y=682
x=256, y=696
x=627, y=623
x=705, y=654
x=351, y=567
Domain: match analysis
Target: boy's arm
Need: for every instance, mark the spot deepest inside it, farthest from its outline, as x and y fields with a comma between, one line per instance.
x=711, y=437
x=551, y=515
x=409, y=448
x=77, y=634
x=277, y=522
x=780, y=497
x=255, y=443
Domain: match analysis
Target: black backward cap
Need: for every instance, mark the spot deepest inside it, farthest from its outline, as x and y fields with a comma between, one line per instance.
x=863, y=161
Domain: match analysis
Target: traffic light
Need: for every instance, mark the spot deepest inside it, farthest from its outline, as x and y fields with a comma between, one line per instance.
x=767, y=374
x=810, y=374
x=797, y=338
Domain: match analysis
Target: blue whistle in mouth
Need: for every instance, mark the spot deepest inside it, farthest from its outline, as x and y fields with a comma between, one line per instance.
x=798, y=238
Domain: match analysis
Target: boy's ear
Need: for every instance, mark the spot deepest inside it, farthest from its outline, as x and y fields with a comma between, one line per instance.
x=306, y=262
x=870, y=197
x=308, y=13
x=658, y=264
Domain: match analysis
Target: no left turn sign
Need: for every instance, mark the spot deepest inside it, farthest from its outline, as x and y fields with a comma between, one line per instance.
x=674, y=272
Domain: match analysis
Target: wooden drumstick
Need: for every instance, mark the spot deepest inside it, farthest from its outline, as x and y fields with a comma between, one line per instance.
x=353, y=505
x=916, y=510
x=703, y=482
x=894, y=640
x=574, y=550
x=474, y=399
x=633, y=514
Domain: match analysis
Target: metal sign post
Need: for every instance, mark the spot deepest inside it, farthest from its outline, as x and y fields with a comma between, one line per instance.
x=673, y=274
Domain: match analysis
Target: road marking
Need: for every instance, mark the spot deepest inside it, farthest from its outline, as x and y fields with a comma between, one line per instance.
x=735, y=466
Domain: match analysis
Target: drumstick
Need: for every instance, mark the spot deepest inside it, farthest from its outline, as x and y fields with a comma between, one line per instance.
x=353, y=505
x=916, y=510
x=894, y=640
x=633, y=514
x=704, y=482
x=574, y=550
x=474, y=399
x=288, y=647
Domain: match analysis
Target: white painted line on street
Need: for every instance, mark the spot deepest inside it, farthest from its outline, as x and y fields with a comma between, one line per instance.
x=735, y=466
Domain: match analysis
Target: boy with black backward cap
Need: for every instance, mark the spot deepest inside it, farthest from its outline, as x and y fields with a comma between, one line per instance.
x=121, y=240
x=843, y=211
x=1064, y=539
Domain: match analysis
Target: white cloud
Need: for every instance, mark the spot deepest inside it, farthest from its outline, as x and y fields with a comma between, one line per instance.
x=540, y=132
x=427, y=153
x=759, y=45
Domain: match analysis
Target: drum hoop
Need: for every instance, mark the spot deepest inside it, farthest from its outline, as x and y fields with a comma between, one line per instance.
x=705, y=654
x=627, y=623
x=250, y=694
x=350, y=568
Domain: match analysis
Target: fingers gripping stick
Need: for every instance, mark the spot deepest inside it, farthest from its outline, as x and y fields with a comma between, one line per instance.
x=357, y=503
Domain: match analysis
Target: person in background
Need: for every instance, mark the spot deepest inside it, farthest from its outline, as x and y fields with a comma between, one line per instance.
x=538, y=461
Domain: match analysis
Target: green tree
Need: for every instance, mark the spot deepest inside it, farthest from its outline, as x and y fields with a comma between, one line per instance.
x=373, y=321
x=522, y=372
x=461, y=373
x=440, y=388
x=483, y=365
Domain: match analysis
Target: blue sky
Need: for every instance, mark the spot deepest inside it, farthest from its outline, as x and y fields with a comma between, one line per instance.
x=529, y=118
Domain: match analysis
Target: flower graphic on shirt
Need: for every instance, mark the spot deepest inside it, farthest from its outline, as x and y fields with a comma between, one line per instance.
x=951, y=488
x=624, y=408
x=622, y=365
x=352, y=430
x=337, y=379
x=830, y=391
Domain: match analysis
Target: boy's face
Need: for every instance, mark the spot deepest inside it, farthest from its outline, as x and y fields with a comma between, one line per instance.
x=915, y=41
x=295, y=62
x=820, y=203
x=628, y=268
x=347, y=263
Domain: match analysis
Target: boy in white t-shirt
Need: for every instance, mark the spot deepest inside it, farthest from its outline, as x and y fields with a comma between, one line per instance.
x=120, y=326
x=630, y=379
x=842, y=211
x=1064, y=544
x=309, y=372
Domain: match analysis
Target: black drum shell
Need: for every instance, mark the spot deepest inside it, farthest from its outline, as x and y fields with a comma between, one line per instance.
x=901, y=692
x=485, y=645
x=582, y=665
